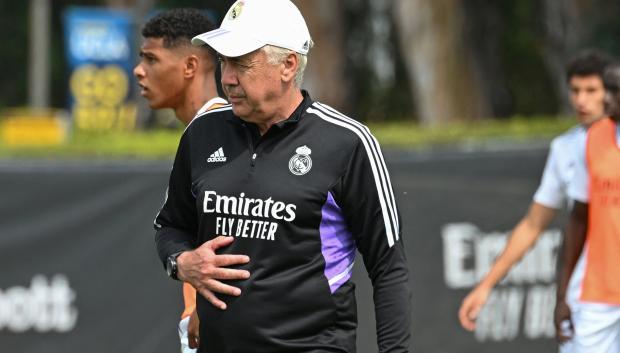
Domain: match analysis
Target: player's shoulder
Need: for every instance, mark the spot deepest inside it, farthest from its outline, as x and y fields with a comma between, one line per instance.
x=207, y=121
x=214, y=112
x=569, y=138
x=212, y=104
x=338, y=125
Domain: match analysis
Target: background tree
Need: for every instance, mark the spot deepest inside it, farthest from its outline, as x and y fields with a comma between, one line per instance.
x=439, y=61
x=375, y=71
x=430, y=60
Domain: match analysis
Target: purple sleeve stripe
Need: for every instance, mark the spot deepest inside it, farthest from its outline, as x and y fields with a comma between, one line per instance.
x=337, y=245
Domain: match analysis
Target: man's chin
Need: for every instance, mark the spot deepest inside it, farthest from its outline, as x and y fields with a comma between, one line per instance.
x=239, y=110
x=156, y=105
x=588, y=119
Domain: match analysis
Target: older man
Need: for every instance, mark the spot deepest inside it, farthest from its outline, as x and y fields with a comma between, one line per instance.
x=269, y=199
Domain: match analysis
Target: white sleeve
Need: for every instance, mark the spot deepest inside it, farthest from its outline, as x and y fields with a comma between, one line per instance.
x=550, y=192
x=578, y=187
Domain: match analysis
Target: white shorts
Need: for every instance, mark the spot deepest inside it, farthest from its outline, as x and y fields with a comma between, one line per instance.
x=572, y=297
x=183, y=336
x=597, y=328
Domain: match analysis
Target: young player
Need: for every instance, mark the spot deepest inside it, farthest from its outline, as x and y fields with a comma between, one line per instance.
x=174, y=74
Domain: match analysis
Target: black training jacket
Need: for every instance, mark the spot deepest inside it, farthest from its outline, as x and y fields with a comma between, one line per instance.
x=299, y=201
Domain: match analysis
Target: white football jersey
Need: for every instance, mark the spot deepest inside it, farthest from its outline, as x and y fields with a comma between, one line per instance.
x=560, y=168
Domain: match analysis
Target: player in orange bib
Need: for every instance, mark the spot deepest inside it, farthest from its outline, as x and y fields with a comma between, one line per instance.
x=584, y=76
x=594, y=322
x=174, y=74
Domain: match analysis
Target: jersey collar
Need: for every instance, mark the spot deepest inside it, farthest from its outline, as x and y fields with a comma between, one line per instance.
x=298, y=113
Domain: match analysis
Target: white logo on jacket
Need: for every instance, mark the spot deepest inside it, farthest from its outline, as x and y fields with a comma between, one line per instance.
x=247, y=217
x=217, y=156
x=300, y=163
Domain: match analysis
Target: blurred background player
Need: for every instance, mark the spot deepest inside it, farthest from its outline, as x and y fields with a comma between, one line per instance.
x=585, y=80
x=594, y=319
x=174, y=74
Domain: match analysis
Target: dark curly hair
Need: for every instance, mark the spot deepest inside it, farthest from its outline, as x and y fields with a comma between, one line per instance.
x=589, y=62
x=177, y=26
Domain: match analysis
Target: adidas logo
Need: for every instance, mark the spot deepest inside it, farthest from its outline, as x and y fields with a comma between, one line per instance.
x=217, y=156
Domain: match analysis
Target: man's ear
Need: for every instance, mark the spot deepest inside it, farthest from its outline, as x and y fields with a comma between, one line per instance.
x=291, y=63
x=191, y=66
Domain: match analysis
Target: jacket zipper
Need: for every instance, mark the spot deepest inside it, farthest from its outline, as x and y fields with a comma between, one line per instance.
x=248, y=135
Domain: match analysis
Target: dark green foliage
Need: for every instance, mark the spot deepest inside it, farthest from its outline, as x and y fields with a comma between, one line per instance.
x=13, y=52
x=507, y=40
x=370, y=97
x=521, y=54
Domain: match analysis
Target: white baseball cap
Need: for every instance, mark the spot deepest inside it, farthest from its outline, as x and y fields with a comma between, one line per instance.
x=252, y=24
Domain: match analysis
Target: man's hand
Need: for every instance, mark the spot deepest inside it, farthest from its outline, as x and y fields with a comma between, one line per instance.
x=471, y=306
x=193, y=334
x=563, y=321
x=204, y=269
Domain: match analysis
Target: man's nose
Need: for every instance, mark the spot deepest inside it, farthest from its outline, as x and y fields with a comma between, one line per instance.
x=229, y=78
x=580, y=99
x=138, y=71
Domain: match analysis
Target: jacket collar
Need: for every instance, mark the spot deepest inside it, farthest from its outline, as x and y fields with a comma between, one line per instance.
x=299, y=111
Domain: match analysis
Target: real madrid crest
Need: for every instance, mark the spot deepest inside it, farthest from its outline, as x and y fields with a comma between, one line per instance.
x=236, y=10
x=300, y=163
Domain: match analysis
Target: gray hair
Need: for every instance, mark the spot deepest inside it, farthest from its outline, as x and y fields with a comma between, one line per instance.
x=276, y=55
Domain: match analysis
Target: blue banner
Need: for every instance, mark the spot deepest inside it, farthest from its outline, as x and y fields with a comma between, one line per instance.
x=99, y=47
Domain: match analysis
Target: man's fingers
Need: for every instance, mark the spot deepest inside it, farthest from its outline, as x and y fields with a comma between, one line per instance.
x=468, y=312
x=467, y=320
x=463, y=315
x=193, y=341
x=474, y=311
x=211, y=298
x=228, y=273
x=562, y=321
x=212, y=286
x=469, y=325
x=220, y=241
x=564, y=330
x=214, y=269
x=219, y=287
x=228, y=260
x=193, y=334
x=562, y=337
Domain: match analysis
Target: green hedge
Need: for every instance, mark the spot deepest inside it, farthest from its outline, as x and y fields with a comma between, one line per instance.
x=162, y=144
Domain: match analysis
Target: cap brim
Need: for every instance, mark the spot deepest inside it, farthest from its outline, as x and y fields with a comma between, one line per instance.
x=228, y=43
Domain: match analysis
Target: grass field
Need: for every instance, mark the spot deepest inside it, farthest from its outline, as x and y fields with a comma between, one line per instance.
x=162, y=144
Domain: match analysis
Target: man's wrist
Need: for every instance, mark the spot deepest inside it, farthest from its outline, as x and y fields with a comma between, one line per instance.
x=560, y=295
x=172, y=268
x=181, y=260
x=486, y=285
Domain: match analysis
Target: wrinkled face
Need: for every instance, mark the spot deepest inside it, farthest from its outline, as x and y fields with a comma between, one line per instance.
x=253, y=85
x=160, y=74
x=612, y=98
x=587, y=95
